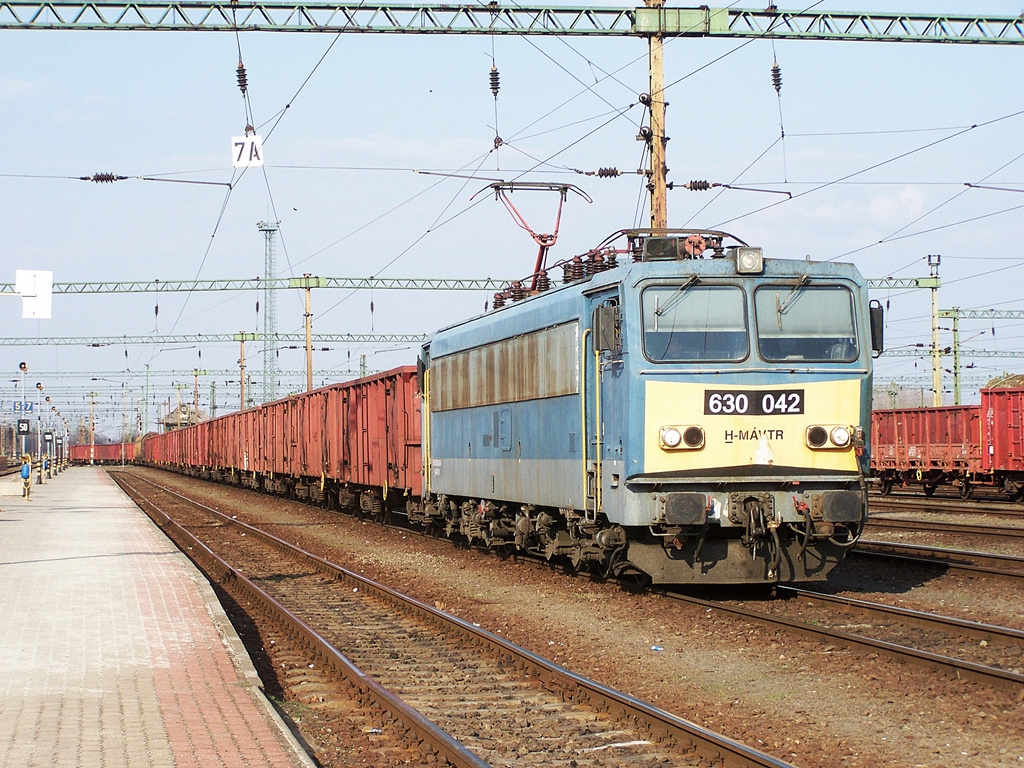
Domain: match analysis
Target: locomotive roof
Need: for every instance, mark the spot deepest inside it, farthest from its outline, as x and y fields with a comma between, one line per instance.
x=566, y=301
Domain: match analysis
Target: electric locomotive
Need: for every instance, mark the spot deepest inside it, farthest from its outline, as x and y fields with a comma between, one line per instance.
x=680, y=409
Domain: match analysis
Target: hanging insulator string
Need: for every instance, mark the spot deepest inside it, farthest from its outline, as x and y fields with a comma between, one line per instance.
x=495, y=79
x=103, y=178
x=243, y=79
x=777, y=85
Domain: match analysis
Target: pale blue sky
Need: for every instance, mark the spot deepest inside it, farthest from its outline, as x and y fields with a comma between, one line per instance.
x=893, y=120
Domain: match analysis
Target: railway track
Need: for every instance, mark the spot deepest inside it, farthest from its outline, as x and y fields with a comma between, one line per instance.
x=995, y=656
x=968, y=562
x=497, y=703
x=909, y=502
x=935, y=526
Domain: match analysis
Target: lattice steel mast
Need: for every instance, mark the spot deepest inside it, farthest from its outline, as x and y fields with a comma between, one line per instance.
x=269, y=230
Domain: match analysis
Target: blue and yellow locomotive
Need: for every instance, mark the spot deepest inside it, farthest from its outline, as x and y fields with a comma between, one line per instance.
x=679, y=408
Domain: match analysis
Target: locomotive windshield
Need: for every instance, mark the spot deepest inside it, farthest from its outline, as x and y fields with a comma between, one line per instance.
x=805, y=322
x=695, y=322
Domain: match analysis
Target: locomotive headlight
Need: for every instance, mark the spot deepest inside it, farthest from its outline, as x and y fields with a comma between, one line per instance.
x=681, y=438
x=817, y=437
x=829, y=437
x=671, y=437
x=749, y=261
x=840, y=436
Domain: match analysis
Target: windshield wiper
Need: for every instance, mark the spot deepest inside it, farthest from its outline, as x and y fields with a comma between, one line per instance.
x=784, y=305
x=676, y=295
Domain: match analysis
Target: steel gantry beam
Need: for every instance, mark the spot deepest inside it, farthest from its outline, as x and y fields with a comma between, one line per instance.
x=497, y=19
x=653, y=22
x=983, y=314
x=947, y=352
x=277, y=283
x=211, y=338
x=122, y=376
x=352, y=284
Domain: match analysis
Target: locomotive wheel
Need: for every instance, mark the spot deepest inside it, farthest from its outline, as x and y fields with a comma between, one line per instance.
x=929, y=490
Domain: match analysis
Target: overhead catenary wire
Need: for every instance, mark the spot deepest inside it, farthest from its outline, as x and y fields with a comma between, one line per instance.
x=777, y=84
x=895, y=235
x=874, y=166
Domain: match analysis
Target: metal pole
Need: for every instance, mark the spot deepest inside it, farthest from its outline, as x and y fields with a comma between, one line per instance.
x=956, y=355
x=309, y=337
x=124, y=424
x=241, y=374
x=23, y=367
x=657, y=181
x=92, y=428
x=933, y=264
x=39, y=429
x=269, y=230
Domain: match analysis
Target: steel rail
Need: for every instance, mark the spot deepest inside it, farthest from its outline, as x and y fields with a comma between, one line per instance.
x=219, y=570
x=992, y=503
x=951, y=559
x=975, y=629
x=933, y=526
x=949, y=665
x=708, y=744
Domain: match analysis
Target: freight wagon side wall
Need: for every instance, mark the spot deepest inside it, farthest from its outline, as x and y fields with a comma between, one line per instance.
x=365, y=432
x=1003, y=421
x=376, y=423
x=105, y=452
x=947, y=439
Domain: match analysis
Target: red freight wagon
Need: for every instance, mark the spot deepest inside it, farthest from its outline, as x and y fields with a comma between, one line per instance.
x=1003, y=439
x=357, y=443
x=105, y=453
x=376, y=422
x=964, y=446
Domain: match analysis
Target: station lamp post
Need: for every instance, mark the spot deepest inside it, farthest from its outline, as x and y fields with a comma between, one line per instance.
x=50, y=471
x=23, y=367
x=39, y=429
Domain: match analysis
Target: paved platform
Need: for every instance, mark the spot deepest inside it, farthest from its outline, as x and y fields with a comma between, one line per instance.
x=113, y=648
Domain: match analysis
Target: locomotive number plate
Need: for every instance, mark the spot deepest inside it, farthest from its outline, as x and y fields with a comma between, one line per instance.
x=749, y=402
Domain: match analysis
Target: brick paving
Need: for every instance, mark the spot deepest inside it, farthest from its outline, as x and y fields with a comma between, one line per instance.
x=113, y=649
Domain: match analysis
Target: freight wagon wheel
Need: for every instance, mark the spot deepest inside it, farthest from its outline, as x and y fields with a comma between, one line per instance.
x=966, y=489
x=929, y=490
x=885, y=486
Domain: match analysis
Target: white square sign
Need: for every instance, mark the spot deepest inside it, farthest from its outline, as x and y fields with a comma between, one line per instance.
x=246, y=151
x=36, y=289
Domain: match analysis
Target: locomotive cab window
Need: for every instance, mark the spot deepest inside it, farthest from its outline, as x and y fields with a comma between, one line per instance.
x=694, y=322
x=808, y=323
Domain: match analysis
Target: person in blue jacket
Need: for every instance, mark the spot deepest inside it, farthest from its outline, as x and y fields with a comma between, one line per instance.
x=26, y=477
